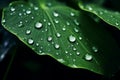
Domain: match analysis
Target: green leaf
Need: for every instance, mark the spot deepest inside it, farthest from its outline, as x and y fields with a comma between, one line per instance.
x=51, y=28
x=109, y=16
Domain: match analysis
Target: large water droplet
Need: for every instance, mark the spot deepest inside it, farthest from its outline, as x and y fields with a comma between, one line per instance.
x=38, y=25
x=88, y=57
x=57, y=46
x=30, y=41
x=55, y=14
x=72, y=38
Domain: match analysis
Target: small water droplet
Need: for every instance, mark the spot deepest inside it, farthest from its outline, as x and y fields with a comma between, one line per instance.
x=80, y=38
x=55, y=14
x=2, y=57
x=37, y=44
x=61, y=60
x=28, y=32
x=20, y=14
x=3, y=20
x=12, y=9
x=66, y=52
x=30, y=41
x=38, y=25
x=89, y=8
x=49, y=4
x=94, y=49
x=57, y=46
x=20, y=25
x=63, y=28
x=68, y=23
x=58, y=35
x=28, y=11
x=74, y=49
x=100, y=12
x=72, y=38
x=72, y=14
x=116, y=23
x=76, y=22
x=56, y=21
x=78, y=53
x=76, y=30
x=49, y=38
x=74, y=66
x=36, y=8
x=88, y=57
x=44, y=20
x=32, y=17
x=49, y=23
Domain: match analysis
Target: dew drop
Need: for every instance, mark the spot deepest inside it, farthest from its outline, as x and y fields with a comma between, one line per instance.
x=57, y=46
x=28, y=32
x=28, y=11
x=36, y=8
x=74, y=49
x=94, y=49
x=55, y=14
x=49, y=4
x=72, y=14
x=74, y=66
x=20, y=14
x=56, y=21
x=44, y=20
x=37, y=44
x=76, y=22
x=49, y=23
x=76, y=30
x=116, y=23
x=72, y=38
x=88, y=57
x=61, y=60
x=90, y=8
x=49, y=38
x=30, y=41
x=66, y=52
x=58, y=35
x=68, y=23
x=78, y=53
x=63, y=28
x=80, y=38
x=12, y=9
x=3, y=20
x=38, y=25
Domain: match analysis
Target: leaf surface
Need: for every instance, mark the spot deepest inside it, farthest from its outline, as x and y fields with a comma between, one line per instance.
x=51, y=28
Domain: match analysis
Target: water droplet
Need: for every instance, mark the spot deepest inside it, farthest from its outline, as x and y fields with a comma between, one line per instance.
x=74, y=66
x=78, y=53
x=55, y=14
x=3, y=20
x=72, y=38
x=89, y=8
x=36, y=8
x=76, y=30
x=12, y=9
x=72, y=14
x=58, y=35
x=63, y=28
x=28, y=11
x=88, y=57
x=100, y=12
x=94, y=49
x=20, y=14
x=44, y=20
x=56, y=21
x=61, y=60
x=76, y=22
x=37, y=44
x=32, y=17
x=116, y=23
x=2, y=57
x=74, y=49
x=28, y=32
x=38, y=25
x=49, y=23
x=20, y=25
x=57, y=46
x=49, y=38
x=30, y=41
x=68, y=23
x=80, y=38
x=66, y=52
x=49, y=4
